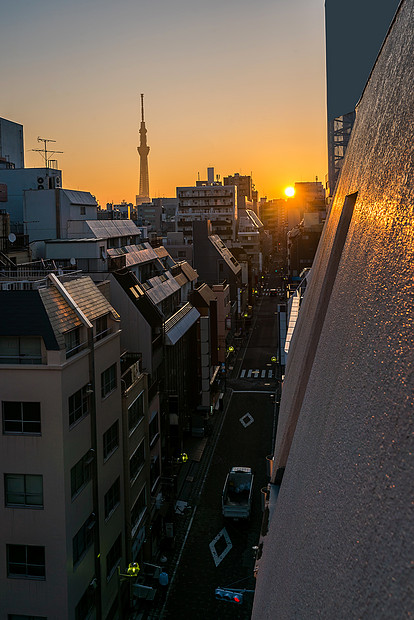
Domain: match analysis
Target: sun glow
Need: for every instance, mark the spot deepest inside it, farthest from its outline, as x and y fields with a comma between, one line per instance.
x=290, y=191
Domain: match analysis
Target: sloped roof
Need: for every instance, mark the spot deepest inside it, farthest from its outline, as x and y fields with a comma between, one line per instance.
x=181, y=279
x=188, y=271
x=136, y=293
x=255, y=218
x=89, y=298
x=177, y=325
x=135, y=254
x=206, y=293
x=162, y=287
x=62, y=317
x=112, y=228
x=225, y=253
x=80, y=198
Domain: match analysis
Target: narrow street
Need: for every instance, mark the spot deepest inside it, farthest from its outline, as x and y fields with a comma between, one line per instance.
x=214, y=552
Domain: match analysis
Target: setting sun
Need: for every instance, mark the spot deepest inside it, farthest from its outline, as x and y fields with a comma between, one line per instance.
x=290, y=191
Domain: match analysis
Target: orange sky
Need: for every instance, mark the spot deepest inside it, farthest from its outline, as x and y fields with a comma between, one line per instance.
x=236, y=85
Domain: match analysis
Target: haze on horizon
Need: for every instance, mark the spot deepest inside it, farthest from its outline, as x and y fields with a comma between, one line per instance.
x=236, y=85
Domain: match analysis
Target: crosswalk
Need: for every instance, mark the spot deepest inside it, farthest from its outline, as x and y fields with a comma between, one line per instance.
x=251, y=373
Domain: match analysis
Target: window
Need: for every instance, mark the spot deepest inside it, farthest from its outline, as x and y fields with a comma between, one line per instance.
x=154, y=470
x=112, y=498
x=153, y=430
x=108, y=380
x=101, y=327
x=138, y=510
x=136, y=461
x=21, y=418
x=85, y=605
x=114, y=555
x=80, y=474
x=83, y=539
x=72, y=342
x=83, y=210
x=135, y=413
x=78, y=405
x=110, y=440
x=25, y=490
x=20, y=350
x=26, y=561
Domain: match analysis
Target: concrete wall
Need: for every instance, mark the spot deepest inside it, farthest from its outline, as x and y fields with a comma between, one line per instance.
x=340, y=540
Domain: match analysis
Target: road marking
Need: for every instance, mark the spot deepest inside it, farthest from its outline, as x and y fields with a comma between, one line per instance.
x=180, y=507
x=246, y=420
x=243, y=372
x=263, y=374
x=270, y=374
x=219, y=558
x=249, y=374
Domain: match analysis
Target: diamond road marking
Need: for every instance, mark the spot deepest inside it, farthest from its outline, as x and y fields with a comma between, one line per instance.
x=246, y=420
x=219, y=558
x=180, y=507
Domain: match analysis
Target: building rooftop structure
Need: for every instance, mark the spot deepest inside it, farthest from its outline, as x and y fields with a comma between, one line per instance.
x=339, y=527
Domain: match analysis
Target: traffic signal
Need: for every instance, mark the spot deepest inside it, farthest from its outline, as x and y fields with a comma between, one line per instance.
x=231, y=596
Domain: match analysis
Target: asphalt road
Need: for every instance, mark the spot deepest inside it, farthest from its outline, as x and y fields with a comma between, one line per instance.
x=245, y=440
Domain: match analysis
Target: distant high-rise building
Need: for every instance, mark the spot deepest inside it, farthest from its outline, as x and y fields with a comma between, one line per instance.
x=143, y=150
x=244, y=187
x=208, y=200
x=348, y=66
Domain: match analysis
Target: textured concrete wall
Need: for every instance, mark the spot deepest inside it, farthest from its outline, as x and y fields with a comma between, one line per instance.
x=341, y=540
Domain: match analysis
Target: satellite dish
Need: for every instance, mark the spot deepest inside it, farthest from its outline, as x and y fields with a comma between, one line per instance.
x=73, y=261
x=12, y=237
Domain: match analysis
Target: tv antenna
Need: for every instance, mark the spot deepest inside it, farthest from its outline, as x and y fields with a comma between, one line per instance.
x=45, y=153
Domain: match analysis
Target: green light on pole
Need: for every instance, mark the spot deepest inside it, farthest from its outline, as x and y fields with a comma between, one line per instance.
x=273, y=359
x=231, y=349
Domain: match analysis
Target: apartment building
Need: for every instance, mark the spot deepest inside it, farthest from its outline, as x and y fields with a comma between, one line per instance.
x=208, y=201
x=61, y=451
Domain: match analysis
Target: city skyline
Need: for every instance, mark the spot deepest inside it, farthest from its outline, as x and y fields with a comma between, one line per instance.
x=239, y=87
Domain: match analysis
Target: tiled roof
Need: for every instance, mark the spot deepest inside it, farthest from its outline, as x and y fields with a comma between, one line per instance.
x=112, y=228
x=162, y=287
x=181, y=279
x=89, y=299
x=135, y=254
x=61, y=316
x=188, y=271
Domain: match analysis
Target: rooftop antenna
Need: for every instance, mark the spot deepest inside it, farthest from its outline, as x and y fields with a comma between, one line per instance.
x=45, y=153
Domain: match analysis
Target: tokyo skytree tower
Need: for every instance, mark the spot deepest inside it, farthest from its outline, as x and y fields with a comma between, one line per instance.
x=143, y=150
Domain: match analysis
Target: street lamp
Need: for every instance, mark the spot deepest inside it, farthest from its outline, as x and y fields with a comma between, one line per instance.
x=132, y=572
